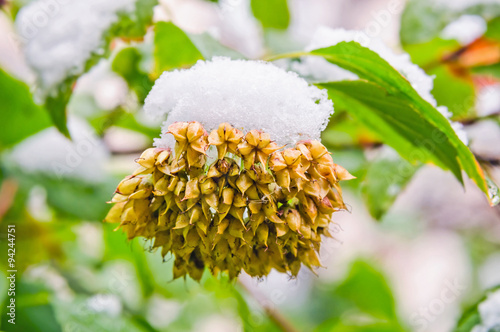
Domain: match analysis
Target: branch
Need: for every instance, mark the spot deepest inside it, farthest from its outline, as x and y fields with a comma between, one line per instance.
x=273, y=313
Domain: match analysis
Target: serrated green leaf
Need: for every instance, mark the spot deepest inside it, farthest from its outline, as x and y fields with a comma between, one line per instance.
x=394, y=121
x=448, y=149
x=20, y=115
x=173, y=48
x=386, y=177
x=272, y=14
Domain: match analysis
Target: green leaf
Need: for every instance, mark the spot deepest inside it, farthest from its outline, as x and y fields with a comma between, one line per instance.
x=335, y=326
x=135, y=26
x=450, y=90
x=488, y=11
x=173, y=48
x=127, y=64
x=33, y=310
x=210, y=47
x=421, y=21
x=386, y=177
x=446, y=146
x=394, y=121
x=21, y=116
x=56, y=106
x=490, y=70
x=272, y=14
x=70, y=197
x=429, y=53
x=123, y=119
x=456, y=93
x=368, y=290
x=493, y=29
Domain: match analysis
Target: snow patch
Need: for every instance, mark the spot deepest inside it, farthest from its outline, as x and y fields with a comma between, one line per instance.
x=465, y=29
x=59, y=37
x=247, y=94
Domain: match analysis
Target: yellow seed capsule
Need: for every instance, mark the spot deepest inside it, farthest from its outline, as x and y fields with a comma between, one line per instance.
x=161, y=187
x=226, y=218
x=244, y=182
x=293, y=219
x=192, y=189
x=128, y=185
x=172, y=184
x=115, y=213
x=262, y=233
x=163, y=157
x=148, y=157
x=228, y=196
x=180, y=186
x=182, y=221
x=207, y=186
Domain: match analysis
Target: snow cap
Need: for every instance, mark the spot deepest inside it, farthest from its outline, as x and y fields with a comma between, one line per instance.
x=247, y=94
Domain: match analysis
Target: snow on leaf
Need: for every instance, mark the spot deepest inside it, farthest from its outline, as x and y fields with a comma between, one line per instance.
x=59, y=39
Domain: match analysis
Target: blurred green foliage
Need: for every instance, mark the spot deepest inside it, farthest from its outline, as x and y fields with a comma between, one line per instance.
x=24, y=117
x=68, y=264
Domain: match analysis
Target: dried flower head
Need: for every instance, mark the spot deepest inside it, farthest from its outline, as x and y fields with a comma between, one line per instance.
x=261, y=202
x=253, y=209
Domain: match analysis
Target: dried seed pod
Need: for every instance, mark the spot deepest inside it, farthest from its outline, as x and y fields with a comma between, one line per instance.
x=226, y=139
x=256, y=148
x=225, y=218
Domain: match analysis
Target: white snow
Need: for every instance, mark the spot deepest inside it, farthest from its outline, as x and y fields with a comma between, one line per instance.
x=465, y=29
x=60, y=36
x=489, y=310
x=239, y=29
x=488, y=100
x=247, y=94
x=323, y=71
x=108, y=304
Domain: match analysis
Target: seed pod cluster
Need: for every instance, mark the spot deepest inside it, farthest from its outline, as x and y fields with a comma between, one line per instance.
x=255, y=208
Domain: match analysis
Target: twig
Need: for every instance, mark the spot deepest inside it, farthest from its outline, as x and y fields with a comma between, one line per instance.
x=470, y=121
x=273, y=313
x=7, y=193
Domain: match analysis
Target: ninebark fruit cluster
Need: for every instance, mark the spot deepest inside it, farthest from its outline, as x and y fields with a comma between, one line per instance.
x=255, y=208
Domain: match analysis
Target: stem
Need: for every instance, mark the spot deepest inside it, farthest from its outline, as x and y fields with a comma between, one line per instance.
x=273, y=313
x=286, y=56
x=8, y=191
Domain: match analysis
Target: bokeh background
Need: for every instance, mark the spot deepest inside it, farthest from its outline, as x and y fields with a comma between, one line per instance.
x=414, y=251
